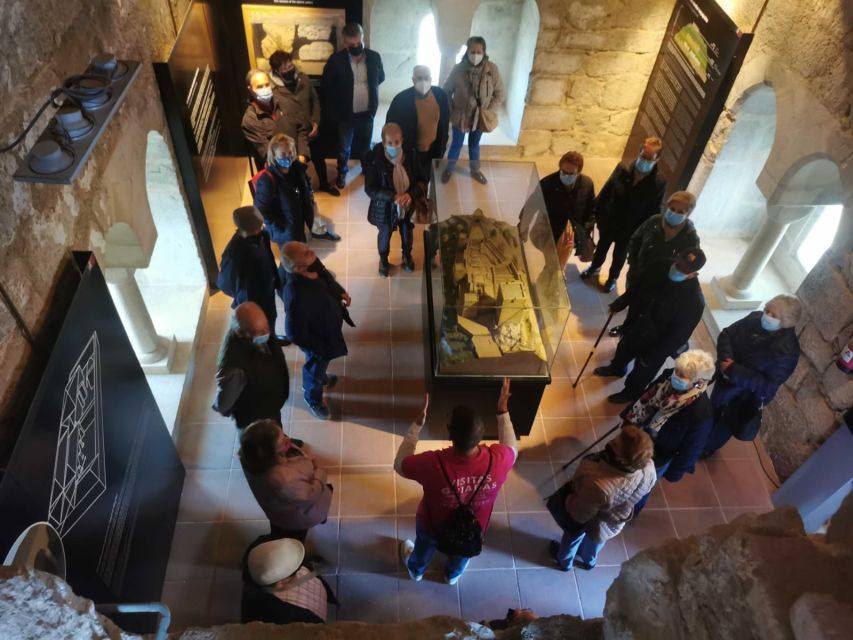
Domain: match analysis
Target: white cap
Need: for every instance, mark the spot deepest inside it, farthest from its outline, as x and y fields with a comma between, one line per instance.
x=275, y=560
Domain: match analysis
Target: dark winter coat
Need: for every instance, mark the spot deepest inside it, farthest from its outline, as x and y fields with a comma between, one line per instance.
x=663, y=314
x=622, y=206
x=248, y=271
x=379, y=186
x=763, y=360
x=339, y=83
x=315, y=315
x=259, y=126
x=682, y=437
x=302, y=104
x=404, y=113
x=649, y=246
x=286, y=202
x=575, y=204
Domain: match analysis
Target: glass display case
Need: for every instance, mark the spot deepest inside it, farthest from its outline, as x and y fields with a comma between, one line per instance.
x=497, y=304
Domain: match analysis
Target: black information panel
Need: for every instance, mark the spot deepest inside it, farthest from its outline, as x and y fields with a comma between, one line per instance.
x=94, y=458
x=701, y=54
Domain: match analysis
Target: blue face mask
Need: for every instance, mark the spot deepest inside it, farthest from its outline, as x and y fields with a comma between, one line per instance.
x=568, y=179
x=769, y=323
x=284, y=163
x=679, y=384
x=643, y=165
x=675, y=275
x=260, y=340
x=674, y=219
x=391, y=151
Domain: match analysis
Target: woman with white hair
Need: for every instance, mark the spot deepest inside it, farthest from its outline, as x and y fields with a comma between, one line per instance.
x=676, y=413
x=755, y=355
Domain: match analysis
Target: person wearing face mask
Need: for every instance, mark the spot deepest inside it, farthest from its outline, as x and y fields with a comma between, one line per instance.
x=297, y=96
x=665, y=308
x=570, y=199
x=676, y=413
x=247, y=269
x=251, y=373
x=315, y=308
x=632, y=194
x=264, y=117
x=389, y=182
x=423, y=113
x=755, y=355
x=476, y=93
x=350, y=90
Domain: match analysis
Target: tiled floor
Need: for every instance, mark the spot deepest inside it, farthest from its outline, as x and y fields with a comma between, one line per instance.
x=381, y=386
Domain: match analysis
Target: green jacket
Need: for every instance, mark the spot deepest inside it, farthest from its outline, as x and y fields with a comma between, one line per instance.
x=648, y=246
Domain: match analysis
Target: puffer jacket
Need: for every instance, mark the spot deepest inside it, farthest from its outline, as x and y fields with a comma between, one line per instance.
x=379, y=186
x=293, y=494
x=466, y=100
x=603, y=496
x=285, y=202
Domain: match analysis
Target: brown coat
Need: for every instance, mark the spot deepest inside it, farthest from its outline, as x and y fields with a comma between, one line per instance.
x=293, y=494
x=464, y=110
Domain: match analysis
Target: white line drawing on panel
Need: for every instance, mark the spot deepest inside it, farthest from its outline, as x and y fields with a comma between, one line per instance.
x=79, y=472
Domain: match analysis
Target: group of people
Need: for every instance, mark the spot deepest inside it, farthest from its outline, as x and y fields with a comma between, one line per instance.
x=669, y=421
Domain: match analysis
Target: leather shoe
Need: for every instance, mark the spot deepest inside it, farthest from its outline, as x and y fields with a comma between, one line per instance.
x=445, y=176
x=329, y=235
x=408, y=264
x=609, y=285
x=608, y=371
x=331, y=380
x=588, y=273
x=332, y=191
x=341, y=181
x=384, y=267
x=479, y=177
x=615, y=332
x=622, y=397
x=284, y=341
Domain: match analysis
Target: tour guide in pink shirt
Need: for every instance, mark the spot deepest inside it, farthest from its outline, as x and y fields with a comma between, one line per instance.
x=465, y=464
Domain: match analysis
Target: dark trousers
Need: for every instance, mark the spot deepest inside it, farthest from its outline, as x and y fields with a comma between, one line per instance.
x=644, y=370
x=296, y=534
x=314, y=377
x=318, y=159
x=354, y=138
x=620, y=253
x=720, y=433
x=422, y=165
x=407, y=233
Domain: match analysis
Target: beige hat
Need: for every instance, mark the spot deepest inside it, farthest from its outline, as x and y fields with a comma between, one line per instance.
x=683, y=196
x=275, y=560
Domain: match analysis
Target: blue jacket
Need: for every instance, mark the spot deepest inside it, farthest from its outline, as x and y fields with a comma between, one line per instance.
x=314, y=314
x=338, y=84
x=248, y=272
x=763, y=360
x=286, y=202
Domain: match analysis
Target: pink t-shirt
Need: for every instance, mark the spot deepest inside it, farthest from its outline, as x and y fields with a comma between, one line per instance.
x=465, y=473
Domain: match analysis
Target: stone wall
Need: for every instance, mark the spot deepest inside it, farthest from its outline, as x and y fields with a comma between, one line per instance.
x=42, y=42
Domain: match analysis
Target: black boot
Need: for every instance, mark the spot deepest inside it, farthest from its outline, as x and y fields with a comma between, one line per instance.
x=384, y=267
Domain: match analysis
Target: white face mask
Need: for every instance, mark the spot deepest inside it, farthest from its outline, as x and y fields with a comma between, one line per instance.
x=264, y=94
x=475, y=58
x=423, y=86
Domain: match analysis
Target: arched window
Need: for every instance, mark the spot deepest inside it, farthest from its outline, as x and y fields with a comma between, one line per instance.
x=816, y=237
x=429, y=53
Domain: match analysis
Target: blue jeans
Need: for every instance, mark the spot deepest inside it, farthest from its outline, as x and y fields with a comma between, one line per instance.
x=456, y=143
x=314, y=377
x=424, y=551
x=407, y=233
x=354, y=135
x=573, y=543
x=659, y=471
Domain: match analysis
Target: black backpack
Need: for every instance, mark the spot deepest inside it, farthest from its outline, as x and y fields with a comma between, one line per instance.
x=462, y=534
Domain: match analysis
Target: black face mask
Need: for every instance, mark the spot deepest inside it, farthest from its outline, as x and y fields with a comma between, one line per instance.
x=289, y=75
x=316, y=266
x=356, y=50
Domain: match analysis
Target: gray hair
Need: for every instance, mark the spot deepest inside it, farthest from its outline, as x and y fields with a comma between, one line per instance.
x=279, y=141
x=288, y=255
x=789, y=307
x=696, y=362
x=253, y=72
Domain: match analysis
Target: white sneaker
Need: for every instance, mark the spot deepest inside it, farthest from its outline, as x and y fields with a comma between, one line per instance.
x=451, y=581
x=406, y=549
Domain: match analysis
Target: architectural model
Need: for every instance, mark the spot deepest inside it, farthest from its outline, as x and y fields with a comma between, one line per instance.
x=79, y=473
x=487, y=285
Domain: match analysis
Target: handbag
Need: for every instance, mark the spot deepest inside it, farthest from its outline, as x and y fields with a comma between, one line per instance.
x=584, y=244
x=742, y=415
x=556, y=504
x=421, y=206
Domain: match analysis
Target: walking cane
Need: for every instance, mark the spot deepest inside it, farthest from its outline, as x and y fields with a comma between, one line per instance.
x=591, y=351
x=582, y=453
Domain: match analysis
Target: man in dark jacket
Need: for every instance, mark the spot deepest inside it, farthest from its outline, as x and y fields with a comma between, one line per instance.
x=296, y=95
x=316, y=308
x=423, y=113
x=570, y=197
x=251, y=377
x=351, y=80
x=390, y=209
x=668, y=305
x=264, y=117
x=631, y=194
x=247, y=269
x=755, y=355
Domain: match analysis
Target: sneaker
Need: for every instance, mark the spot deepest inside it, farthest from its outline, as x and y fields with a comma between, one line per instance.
x=608, y=371
x=586, y=566
x=408, y=264
x=553, y=550
x=332, y=191
x=384, y=267
x=331, y=380
x=588, y=273
x=451, y=581
x=622, y=397
x=319, y=410
x=341, y=181
x=609, y=285
x=479, y=177
x=406, y=549
x=283, y=340
x=445, y=176
x=329, y=235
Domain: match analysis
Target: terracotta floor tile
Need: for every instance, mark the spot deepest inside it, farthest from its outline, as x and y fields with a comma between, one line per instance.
x=187, y=602
x=322, y=440
x=224, y=607
x=409, y=494
x=736, y=449
x=549, y=592
x=531, y=533
x=691, y=522
x=372, y=324
x=193, y=551
x=561, y=401
x=731, y=513
x=407, y=326
x=497, y=547
x=241, y=503
x=592, y=589
x=486, y=595
x=652, y=528
x=429, y=597
x=367, y=491
x=693, y=490
x=203, y=497
x=368, y=545
x=370, y=597
x=567, y=437
x=534, y=446
x=367, y=443
x=528, y=484
x=234, y=538
x=597, y=389
x=405, y=292
x=206, y=445
x=739, y=483
x=324, y=540
x=375, y=403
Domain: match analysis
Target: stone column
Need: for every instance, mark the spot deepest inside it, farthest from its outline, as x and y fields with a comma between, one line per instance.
x=149, y=347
